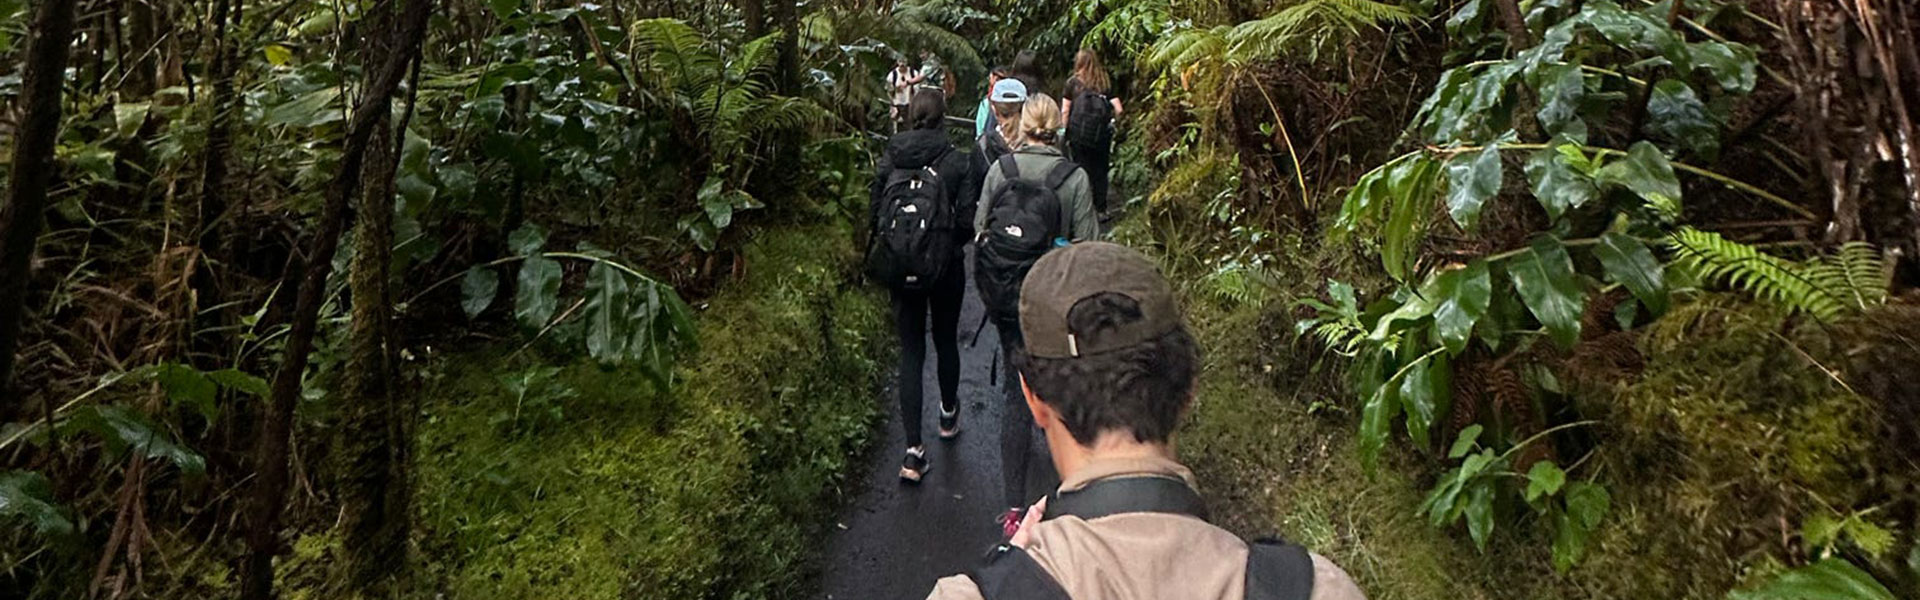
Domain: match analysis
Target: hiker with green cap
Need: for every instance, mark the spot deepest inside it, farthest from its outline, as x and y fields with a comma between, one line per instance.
x=1107, y=369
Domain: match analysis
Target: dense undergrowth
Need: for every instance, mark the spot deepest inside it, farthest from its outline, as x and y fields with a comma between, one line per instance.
x=1718, y=442
x=543, y=476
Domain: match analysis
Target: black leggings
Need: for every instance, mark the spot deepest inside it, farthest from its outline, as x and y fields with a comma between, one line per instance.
x=1016, y=426
x=910, y=311
x=1097, y=161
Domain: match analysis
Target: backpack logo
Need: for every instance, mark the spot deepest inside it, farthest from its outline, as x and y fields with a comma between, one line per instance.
x=1015, y=231
x=910, y=209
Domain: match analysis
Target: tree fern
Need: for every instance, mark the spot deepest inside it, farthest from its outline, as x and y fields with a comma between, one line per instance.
x=1825, y=287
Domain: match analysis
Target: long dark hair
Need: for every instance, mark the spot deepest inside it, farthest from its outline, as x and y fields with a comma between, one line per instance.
x=927, y=110
x=1026, y=68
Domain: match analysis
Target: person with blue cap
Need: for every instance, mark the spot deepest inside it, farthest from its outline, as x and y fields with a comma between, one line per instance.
x=1005, y=102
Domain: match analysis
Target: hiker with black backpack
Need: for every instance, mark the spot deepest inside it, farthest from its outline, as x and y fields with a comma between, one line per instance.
x=1091, y=112
x=1032, y=201
x=1006, y=101
x=923, y=191
x=1108, y=368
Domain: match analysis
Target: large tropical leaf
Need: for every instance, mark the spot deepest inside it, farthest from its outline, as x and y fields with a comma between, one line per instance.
x=1544, y=276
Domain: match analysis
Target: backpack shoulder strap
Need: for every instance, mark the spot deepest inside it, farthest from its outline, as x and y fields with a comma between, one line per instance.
x=1009, y=168
x=1120, y=495
x=1061, y=171
x=1010, y=574
x=1278, y=570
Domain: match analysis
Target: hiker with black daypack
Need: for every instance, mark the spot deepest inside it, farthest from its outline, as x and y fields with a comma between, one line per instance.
x=923, y=190
x=1007, y=99
x=1032, y=201
x=1108, y=368
x=1091, y=112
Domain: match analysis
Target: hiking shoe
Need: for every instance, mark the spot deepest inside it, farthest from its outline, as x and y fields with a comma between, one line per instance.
x=915, y=465
x=1010, y=522
x=949, y=423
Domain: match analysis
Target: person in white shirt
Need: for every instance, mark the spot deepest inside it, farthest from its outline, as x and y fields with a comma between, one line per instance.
x=900, y=83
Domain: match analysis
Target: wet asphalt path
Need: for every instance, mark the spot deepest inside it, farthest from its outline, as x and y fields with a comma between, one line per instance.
x=893, y=540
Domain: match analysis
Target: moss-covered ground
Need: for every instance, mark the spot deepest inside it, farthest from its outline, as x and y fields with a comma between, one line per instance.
x=596, y=485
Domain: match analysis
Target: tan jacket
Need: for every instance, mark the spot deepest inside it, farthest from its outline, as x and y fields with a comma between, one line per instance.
x=1145, y=556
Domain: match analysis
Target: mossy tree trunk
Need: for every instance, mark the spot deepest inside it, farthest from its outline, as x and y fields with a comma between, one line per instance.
x=268, y=496
x=32, y=173
x=371, y=436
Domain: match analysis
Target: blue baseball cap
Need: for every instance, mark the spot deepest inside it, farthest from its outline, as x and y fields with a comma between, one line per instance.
x=1009, y=90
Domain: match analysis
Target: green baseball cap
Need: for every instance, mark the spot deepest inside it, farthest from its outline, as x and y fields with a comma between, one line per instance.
x=1063, y=278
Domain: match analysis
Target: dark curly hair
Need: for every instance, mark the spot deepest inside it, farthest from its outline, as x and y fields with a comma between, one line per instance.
x=1140, y=389
x=927, y=110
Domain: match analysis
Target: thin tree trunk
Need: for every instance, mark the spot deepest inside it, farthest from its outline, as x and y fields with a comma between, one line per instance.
x=373, y=496
x=754, y=12
x=270, y=456
x=32, y=174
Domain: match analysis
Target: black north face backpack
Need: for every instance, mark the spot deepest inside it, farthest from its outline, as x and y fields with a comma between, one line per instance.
x=1276, y=570
x=914, y=232
x=1091, y=122
x=1022, y=223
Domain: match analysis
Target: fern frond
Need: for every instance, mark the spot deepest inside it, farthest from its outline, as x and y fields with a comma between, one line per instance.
x=674, y=53
x=1827, y=287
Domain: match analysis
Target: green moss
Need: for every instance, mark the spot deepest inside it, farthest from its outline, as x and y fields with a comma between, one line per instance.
x=1276, y=456
x=710, y=490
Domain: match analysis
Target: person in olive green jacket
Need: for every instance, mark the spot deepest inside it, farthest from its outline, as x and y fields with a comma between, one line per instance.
x=1035, y=153
x=1034, y=156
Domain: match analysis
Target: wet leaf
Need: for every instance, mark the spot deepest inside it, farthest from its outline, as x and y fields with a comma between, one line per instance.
x=1732, y=64
x=1543, y=275
x=1645, y=171
x=1480, y=514
x=1588, y=504
x=125, y=430
x=526, y=240
x=538, y=296
x=477, y=290
x=27, y=497
x=1544, y=479
x=1557, y=184
x=1464, y=296
x=1463, y=443
x=1675, y=113
x=606, y=313
x=1829, y=579
x=1628, y=260
x=1471, y=180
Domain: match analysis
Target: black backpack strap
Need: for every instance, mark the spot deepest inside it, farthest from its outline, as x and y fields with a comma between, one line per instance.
x=1120, y=495
x=1061, y=171
x=1010, y=574
x=1278, y=570
x=1009, y=168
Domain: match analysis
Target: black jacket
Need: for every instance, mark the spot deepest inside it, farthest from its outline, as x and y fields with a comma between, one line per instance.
x=919, y=148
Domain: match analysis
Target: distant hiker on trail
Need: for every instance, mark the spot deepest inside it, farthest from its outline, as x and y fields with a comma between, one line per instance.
x=900, y=84
x=1090, y=115
x=983, y=118
x=934, y=75
x=1007, y=100
x=923, y=190
x=1033, y=200
x=1026, y=68
x=1107, y=368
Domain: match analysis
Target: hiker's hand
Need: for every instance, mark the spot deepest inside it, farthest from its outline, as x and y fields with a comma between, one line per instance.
x=1024, y=534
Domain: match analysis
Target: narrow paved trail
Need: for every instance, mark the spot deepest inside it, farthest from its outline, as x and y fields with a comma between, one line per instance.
x=893, y=541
